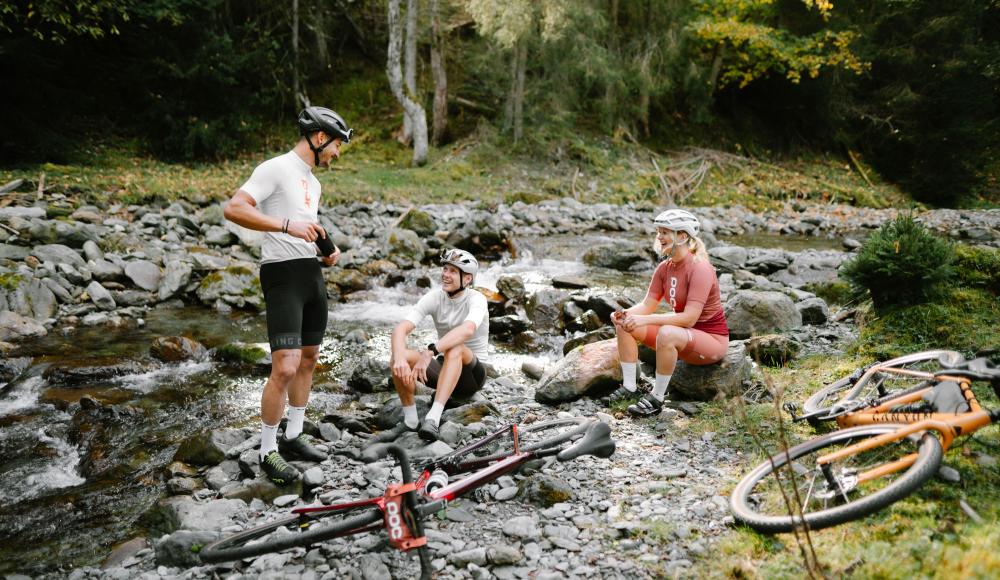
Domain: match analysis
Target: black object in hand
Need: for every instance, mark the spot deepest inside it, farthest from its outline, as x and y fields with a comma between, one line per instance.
x=325, y=245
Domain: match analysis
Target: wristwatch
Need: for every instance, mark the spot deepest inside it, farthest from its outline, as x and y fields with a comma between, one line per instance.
x=433, y=348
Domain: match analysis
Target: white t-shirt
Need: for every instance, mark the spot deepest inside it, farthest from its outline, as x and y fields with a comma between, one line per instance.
x=449, y=313
x=284, y=187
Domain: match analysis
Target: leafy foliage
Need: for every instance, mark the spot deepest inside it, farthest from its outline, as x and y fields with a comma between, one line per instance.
x=902, y=263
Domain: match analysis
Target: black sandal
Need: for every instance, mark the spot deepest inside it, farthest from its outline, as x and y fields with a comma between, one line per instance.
x=647, y=406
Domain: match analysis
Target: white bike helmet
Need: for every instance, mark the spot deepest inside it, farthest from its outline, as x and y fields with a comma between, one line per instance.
x=679, y=220
x=462, y=260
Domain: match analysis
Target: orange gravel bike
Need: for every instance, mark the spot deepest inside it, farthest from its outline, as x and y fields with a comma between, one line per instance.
x=897, y=419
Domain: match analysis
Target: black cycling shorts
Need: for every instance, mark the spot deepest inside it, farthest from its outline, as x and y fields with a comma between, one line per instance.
x=295, y=298
x=469, y=382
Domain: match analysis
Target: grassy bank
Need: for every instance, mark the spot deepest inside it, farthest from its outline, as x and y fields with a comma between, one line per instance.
x=482, y=166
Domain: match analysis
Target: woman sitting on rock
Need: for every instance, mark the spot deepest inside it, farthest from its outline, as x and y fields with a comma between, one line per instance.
x=696, y=330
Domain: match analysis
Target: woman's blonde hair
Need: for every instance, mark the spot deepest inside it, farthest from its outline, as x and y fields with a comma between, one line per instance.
x=694, y=245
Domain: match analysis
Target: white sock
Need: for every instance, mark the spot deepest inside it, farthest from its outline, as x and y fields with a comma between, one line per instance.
x=268, y=439
x=410, y=416
x=434, y=415
x=628, y=375
x=660, y=388
x=296, y=416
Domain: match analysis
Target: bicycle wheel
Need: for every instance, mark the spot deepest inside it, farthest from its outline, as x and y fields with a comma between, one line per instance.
x=759, y=499
x=289, y=532
x=875, y=386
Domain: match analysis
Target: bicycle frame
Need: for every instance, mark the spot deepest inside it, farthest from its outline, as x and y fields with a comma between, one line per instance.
x=948, y=425
x=481, y=472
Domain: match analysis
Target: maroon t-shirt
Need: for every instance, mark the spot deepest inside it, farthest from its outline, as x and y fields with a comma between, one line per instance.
x=691, y=281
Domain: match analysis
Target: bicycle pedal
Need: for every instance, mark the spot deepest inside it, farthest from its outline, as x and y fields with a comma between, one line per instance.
x=792, y=409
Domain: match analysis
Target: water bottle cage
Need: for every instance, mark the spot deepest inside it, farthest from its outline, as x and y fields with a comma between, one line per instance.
x=398, y=519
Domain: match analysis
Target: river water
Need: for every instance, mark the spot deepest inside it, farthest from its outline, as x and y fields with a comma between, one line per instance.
x=75, y=479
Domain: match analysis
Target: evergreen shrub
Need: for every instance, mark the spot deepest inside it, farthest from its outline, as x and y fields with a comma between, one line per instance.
x=901, y=264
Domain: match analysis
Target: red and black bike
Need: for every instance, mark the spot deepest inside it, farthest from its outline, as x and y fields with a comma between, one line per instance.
x=404, y=505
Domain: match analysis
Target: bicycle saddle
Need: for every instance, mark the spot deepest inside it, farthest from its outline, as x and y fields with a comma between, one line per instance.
x=977, y=369
x=596, y=441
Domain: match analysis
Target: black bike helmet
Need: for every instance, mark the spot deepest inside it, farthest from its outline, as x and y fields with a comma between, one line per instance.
x=313, y=119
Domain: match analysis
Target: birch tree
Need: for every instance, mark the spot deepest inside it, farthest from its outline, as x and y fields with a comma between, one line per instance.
x=403, y=94
x=410, y=64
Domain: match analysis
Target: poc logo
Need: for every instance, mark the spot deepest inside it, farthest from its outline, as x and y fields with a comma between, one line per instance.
x=673, y=292
x=394, y=520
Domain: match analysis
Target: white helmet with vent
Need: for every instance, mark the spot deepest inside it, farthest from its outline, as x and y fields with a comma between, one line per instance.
x=679, y=220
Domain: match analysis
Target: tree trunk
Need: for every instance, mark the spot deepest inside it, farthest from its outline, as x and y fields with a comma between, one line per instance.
x=295, y=52
x=713, y=77
x=440, y=131
x=395, y=74
x=522, y=58
x=410, y=64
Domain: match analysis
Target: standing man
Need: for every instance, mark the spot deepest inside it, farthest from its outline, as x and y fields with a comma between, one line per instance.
x=453, y=364
x=281, y=198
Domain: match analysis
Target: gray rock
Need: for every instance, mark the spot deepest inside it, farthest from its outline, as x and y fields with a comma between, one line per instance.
x=182, y=486
x=546, y=490
x=208, y=447
x=180, y=348
x=220, y=236
x=285, y=500
x=176, y=276
x=92, y=252
x=569, y=283
x=181, y=547
x=371, y=375
x=372, y=568
x=418, y=221
x=58, y=254
x=501, y=555
x=100, y=296
x=105, y=271
x=144, y=274
x=544, y=308
x=404, y=247
x=232, y=281
x=313, y=477
x=750, y=312
x=43, y=301
x=704, y=383
x=13, y=326
x=260, y=488
x=591, y=368
x=505, y=327
x=222, y=474
x=617, y=256
x=532, y=370
x=728, y=258
x=21, y=212
x=184, y=513
x=813, y=311
x=774, y=350
x=512, y=287
x=603, y=333
x=475, y=556
x=506, y=493
x=522, y=528
x=10, y=252
x=78, y=277
x=60, y=292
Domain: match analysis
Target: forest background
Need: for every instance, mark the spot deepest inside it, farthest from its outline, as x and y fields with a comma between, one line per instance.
x=907, y=88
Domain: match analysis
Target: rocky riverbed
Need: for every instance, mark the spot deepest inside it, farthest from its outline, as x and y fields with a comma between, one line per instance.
x=123, y=323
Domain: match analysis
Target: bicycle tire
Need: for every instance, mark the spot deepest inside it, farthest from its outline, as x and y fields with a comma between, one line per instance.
x=757, y=489
x=828, y=396
x=323, y=527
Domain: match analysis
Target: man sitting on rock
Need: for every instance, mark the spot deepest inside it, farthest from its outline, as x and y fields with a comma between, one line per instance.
x=453, y=365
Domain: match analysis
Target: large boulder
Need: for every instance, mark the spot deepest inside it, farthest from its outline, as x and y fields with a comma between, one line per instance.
x=811, y=267
x=750, y=312
x=370, y=375
x=177, y=348
x=773, y=350
x=504, y=328
x=728, y=258
x=708, y=382
x=813, y=310
x=590, y=368
x=13, y=326
x=617, y=256
x=101, y=297
x=144, y=274
x=58, y=254
x=176, y=277
x=182, y=512
x=512, y=288
x=181, y=547
x=545, y=308
x=237, y=285
x=545, y=490
x=42, y=299
x=404, y=247
x=208, y=447
x=418, y=221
